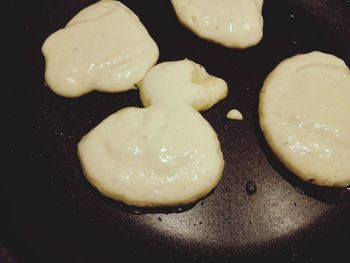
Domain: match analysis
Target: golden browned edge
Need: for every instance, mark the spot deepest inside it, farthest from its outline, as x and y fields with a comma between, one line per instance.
x=309, y=178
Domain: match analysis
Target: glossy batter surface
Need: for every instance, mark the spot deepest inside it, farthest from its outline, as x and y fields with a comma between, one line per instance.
x=232, y=23
x=305, y=116
x=166, y=154
x=104, y=47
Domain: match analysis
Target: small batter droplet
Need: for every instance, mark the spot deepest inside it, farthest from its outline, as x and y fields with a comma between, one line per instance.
x=250, y=187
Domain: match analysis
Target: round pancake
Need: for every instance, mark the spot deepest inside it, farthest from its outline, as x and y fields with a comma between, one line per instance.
x=304, y=113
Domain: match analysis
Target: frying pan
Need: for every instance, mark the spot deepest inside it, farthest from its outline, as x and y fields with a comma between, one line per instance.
x=50, y=213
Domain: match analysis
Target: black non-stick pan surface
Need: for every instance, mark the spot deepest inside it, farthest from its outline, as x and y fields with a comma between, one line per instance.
x=50, y=213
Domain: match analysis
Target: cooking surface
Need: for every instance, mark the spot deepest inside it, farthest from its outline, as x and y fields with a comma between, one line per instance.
x=52, y=214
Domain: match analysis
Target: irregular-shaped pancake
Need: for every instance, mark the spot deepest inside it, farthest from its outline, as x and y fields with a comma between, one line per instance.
x=166, y=154
x=305, y=116
x=104, y=47
x=232, y=23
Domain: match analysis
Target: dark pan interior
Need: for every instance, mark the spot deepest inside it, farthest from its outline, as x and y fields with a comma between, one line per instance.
x=49, y=213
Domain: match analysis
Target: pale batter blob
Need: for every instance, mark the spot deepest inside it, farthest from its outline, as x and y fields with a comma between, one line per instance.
x=166, y=154
x=305, y=116
x=104, y=47
x=234, y=114
x=232, y=23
